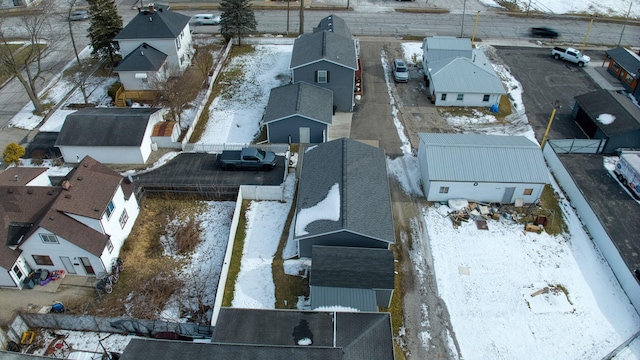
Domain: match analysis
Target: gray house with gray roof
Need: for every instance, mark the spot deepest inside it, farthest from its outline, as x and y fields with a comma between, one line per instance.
x=109, y=135
x=343, y=197
x=298, y=113
x=485, y=168
x=327, y=58
x=246, y=334
x=357, y=278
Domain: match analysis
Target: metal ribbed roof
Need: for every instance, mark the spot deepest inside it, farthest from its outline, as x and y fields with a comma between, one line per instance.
x=482, y=158
x=360, y=299
x=463, y=75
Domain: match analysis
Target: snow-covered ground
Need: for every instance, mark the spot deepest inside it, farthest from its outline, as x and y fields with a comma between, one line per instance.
x=486, y=278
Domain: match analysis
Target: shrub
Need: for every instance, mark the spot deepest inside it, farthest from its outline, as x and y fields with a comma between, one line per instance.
x=12, y=153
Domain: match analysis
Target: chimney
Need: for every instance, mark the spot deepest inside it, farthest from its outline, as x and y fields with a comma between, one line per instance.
x=152, y=8
x=16, y=177
x=66, y=185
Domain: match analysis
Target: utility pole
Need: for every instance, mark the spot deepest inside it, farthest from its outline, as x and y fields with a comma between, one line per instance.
x=464, y=8
x=475, y=27
x=556, y=106
x=625, y=22
x=586, y=36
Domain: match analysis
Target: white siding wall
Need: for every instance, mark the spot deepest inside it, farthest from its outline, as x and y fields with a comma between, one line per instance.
x=106, y=154
x=129, y=81
x=40, y=180
x=5, y=279
x=167, y=46
x=95, y=224
x=112, y=225
x=35, y=246
x=469, y=100
x=484, y=192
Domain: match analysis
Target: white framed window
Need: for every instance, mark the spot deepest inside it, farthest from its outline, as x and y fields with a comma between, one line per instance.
x=17, y=272
x=444, y=189
x=109, y=246
x=178, y=44
x=123, y=218
x=110, y=209
x=443, y=97
x=322, y=76
x=49, y=238
x=460, y=97
x=485, y=98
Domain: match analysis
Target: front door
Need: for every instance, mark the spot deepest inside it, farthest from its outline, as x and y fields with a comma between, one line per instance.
x=508, y=195
x=305, y=135
x=68, y=265
x=87, y=266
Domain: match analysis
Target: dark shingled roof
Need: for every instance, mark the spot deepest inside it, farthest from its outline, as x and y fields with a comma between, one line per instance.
x=306, y=100
x=170, y=350
x=162, y=24
x=143, y=58
x=324, y=45
x=350, y=267
x=334, y=24
x=359, y=335
x=18, y=176
x=105, y=127
x=610, y=102
x=627, y=60
x=360, y=171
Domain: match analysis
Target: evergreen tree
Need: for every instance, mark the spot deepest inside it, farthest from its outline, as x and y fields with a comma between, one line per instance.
x=106, y=23
x=237, y=19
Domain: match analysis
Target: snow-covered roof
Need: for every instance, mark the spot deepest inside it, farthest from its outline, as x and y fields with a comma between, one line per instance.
x=482, y=158
x=344, y=187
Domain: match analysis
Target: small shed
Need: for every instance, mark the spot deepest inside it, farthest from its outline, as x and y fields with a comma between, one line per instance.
x=298, y=113
x=343, y=197
x=109, y=135
x=166, y=134
x=625, y=66
x=485, y=168
x=605, y=114
x=358, y=278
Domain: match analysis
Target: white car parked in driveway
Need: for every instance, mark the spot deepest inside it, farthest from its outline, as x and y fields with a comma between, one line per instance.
x=205, y=19
x=400, y=71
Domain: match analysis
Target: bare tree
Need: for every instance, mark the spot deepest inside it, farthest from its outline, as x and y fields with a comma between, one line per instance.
x=27, y=65
x=176, y=91
x=81, y=78
x=203, y=60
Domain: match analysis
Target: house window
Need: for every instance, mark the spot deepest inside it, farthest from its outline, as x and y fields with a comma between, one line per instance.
x=16, y=270
x=42, y=260
x=178, y=45
x=123, y=218
x=322, y=76
x=443, y=97
x=109, y=246
x=485, y=98
x=615, y=67
x=444, y=189
x=49, y=238
x=109, y=210
x=628, y=78
x=460, y=97
x=527, y=192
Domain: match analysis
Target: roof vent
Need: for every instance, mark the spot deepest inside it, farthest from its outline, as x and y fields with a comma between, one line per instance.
x=141, y=53
x=51, y=217
x=85, y=165
x=67, y=196
x=96, y=210
x=150, y=19
x=10, y=190
x=79, y=178
x=50, y=192
x=15, y=177
x=30, y=191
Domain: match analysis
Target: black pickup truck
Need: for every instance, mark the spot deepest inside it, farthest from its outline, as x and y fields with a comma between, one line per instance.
x=247, y=158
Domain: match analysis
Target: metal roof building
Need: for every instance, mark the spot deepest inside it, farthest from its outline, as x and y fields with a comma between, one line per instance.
x=486, y=168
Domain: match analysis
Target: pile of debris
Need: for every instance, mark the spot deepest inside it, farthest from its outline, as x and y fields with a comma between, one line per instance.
x=465, y=211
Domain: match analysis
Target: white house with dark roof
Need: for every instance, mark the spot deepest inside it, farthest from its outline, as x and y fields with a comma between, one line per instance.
x=78, y=226
x=298, y=113
x=109, y=135
x=343, y=197
x=156, y=40
x=327, y=58
x=350, y=277
x=485, y=168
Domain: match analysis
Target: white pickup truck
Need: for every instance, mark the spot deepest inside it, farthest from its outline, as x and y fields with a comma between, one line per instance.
x=570, y=54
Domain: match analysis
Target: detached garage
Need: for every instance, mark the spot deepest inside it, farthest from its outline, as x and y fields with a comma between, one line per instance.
x=484, y=168
x=610, y=116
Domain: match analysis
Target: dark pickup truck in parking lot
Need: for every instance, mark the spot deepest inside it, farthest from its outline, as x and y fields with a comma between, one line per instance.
x=247, y=158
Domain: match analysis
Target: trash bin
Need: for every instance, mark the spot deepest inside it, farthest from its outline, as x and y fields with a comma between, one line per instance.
x=28, y=283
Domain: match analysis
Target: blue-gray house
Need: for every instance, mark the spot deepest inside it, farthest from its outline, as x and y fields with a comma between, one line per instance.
x=343, y=197
x=327, y=58
x=298, y=113
x=349, y=277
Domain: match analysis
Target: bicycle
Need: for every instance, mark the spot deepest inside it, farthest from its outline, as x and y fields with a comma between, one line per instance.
x=116, y=267
x=105, y=284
